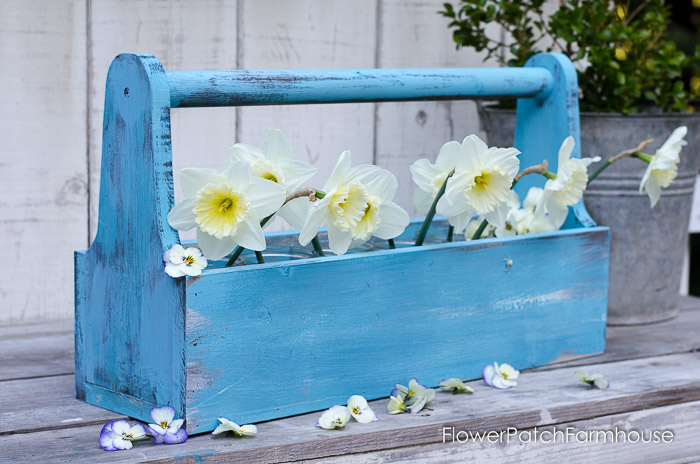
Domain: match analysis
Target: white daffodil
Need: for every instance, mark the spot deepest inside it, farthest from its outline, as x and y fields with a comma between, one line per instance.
x=430, y=177
x=357, y=204
x=396, y=404
x=360, y=410
x=179, y=261
x=566, y=189
x=118, y=435
x=275, y=162
x=238, y=430
x=501, y=377
x=166, y=428
x=334, y=417
x=481, y=183
x=594, y=381
x=663, y=166
x=455, y=385
x=226, y=208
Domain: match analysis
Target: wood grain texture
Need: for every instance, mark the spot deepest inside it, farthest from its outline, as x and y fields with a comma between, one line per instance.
x=42, y=155
x=307, y=34
x=47, y=403
x=36, y=350
x=410, y=33
x=541, y=399
x=333, y=326
x=201, y=34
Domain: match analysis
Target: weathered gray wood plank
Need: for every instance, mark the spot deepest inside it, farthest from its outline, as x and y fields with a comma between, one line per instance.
x=36, y=350
x=682, y=419
x=542, y=398
x=46, y=403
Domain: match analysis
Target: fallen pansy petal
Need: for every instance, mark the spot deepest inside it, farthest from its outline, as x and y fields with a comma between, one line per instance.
x=238, y=430
x=455, y=385
x=594, y=381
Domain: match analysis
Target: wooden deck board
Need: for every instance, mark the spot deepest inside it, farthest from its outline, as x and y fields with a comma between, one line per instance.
x=654, y=370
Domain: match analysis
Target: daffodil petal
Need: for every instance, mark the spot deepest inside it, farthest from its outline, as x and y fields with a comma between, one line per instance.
x=338, y=240
x=448, y=155
x=193, y=179
x=394, y=220
x=249, y=234
x=181, y=217
x=423, y=200
x=265, y=196
x=380, y=182
x=296, y=173
x=214, y=248
x=423, y=174
x=239, y=174
x=295, y=212
x=318, y=214
x=276, y=146
x=341, y=171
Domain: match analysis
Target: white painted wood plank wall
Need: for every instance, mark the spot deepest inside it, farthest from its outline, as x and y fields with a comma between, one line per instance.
x=54, y=58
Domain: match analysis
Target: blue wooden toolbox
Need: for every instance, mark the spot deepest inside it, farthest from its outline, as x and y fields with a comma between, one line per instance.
x=299, y=334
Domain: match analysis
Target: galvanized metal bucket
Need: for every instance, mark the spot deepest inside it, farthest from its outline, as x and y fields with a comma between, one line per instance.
x=646, y=245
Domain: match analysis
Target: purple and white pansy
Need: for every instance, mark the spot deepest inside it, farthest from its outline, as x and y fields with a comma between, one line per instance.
x=166, y=428
x=180, y=261
x=118, y=435
x=502, y=376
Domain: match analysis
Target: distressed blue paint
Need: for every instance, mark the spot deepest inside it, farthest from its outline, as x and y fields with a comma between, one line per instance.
x=242, y=88
x=129, y=314
x=259, y=342
x=286, y=338
x=544, y=123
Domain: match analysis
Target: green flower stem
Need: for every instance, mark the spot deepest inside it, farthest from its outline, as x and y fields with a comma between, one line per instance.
x=450, y=232
x=317, y=246
x=480, y=230
x=431, y=212
x=633, y=153
x=392, y=245
x=305, y=192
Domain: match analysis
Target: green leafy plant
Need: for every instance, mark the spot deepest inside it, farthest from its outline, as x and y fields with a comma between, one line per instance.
x=624, y=61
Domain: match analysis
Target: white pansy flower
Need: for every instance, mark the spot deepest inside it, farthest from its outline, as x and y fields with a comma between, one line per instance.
x=663, y=167
x=455, y=385
x=357, y=205
x=594, y=381
x=481, y=184
x=532, y=199
x=118, y=435
x=226, y=208
x=567, y=188
x=396, y=404
x=334, y=417
x=360, y=410
x=415, y=396
x=226, y=425
x=430, y=177
x=275, y=162
x=180, y=261
x=502, y=376
x=509, y=225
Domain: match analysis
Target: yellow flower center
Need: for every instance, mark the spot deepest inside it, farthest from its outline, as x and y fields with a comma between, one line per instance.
x=508, y=226
x=189, y=260
x=355, y=410
x=219, y=209
x=270, y=176
x=348, y=206
x=488, y=190
x=164, y=424
x=505, y=376
x=368, y=223
x=665, y=176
